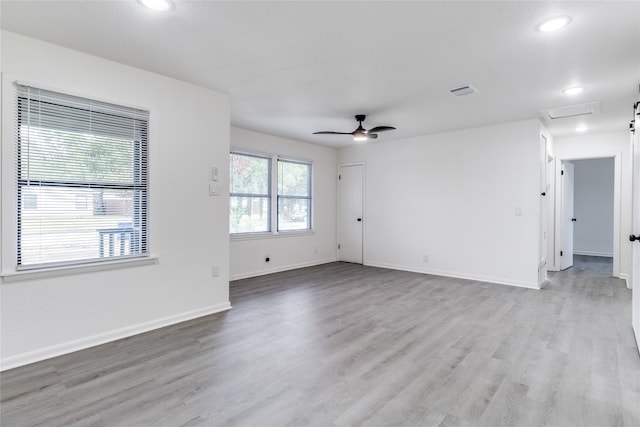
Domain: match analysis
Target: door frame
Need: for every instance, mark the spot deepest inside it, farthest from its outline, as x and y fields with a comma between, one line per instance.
x=563, y=214
x=617, y=180
x=364, y=204
x=634, y=279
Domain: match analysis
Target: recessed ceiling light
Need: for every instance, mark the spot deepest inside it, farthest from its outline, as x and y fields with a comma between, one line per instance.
x=581, y=128
x=554, y=24
x=574, y=90
x=157, y=5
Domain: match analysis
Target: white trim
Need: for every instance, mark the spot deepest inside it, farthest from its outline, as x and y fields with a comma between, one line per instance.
x=42, y=273
x=282, y=268
x=95, y=340
x=456, y=275
x=593, y=253
x=626, y=279
x=238, y=237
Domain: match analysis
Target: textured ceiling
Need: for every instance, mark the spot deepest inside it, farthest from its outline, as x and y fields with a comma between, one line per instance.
x=294, y=67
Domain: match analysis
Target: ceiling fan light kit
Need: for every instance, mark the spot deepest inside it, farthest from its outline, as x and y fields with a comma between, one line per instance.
x=360, y=134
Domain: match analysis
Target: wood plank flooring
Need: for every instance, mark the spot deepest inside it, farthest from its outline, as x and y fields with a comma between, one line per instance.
x=347, y=345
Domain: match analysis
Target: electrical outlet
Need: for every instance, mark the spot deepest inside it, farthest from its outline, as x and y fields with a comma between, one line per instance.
x=215, y=270
x=425, y=258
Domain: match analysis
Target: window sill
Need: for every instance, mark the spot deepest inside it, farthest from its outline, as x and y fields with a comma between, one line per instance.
x=45, y=273
x=278, y=235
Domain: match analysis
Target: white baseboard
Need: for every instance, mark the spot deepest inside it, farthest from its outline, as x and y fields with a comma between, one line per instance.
x=457, y=275
x=625, y=277
x=593, y=253
x=92, y=341
x=281, y=268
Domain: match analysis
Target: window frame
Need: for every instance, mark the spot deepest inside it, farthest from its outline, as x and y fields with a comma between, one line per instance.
x=274, y=200
x=308, y=197
x=139, y=185
x=269, y=195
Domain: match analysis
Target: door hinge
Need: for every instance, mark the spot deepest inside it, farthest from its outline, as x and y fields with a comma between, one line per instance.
x=338, y=246
x=339, y=177
x=561, y=172
x=560, y=253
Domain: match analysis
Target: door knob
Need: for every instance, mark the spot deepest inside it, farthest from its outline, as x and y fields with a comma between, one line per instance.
x=573, y=219
x=633, y=238
x=359, y=219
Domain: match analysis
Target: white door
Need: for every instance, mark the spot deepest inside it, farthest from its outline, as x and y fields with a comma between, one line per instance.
x=635, y=265
x=566, y=189
x=350, y=219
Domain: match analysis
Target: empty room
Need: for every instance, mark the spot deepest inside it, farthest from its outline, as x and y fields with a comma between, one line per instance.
x=323, y=213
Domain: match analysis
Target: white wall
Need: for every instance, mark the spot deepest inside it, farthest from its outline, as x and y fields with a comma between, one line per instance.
x=614, y=145
x=288, y=251
x=593, y=207
x=189, y=132
x=453, y=196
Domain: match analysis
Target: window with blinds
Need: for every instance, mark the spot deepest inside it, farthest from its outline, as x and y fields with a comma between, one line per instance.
x=82, y=182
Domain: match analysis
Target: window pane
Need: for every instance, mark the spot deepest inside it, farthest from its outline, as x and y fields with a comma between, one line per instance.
x=71, y=224
x=249, y=174
x=248, y=214
x=293, y=214
x=293, y=178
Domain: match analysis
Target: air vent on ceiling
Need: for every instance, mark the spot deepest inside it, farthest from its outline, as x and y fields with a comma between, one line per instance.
x=571, y=111
x=463, y=90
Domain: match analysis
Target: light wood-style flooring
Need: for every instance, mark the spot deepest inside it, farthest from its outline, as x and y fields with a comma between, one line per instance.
x=347, y=345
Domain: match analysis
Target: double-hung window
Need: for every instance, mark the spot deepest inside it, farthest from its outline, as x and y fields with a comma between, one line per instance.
x=259, y=204
x=294, y=195
x=82, y=187
x=249, y=193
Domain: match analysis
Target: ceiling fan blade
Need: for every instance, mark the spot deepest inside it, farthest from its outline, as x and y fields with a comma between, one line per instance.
x=372, y=135
x=380, y=129
x=330, y=132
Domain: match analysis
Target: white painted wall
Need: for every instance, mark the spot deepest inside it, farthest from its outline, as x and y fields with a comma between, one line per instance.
x=288, y=251
x=453, y=197
x=614, y=145
x=189, y=132
x=593, y=207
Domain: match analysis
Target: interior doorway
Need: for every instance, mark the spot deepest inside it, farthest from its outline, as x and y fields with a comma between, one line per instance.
x=587, y=213
x=350, y=213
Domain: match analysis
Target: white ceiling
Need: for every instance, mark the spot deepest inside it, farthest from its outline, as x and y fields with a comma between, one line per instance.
x=294, y=67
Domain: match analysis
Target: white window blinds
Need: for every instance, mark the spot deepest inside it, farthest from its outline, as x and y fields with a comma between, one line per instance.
x=82, y=186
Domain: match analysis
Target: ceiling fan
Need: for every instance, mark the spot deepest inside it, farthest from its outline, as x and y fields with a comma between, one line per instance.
x=360, y=134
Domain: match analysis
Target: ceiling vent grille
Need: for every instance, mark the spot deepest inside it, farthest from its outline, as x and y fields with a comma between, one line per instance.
x=463, y=90
x=571, y=111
